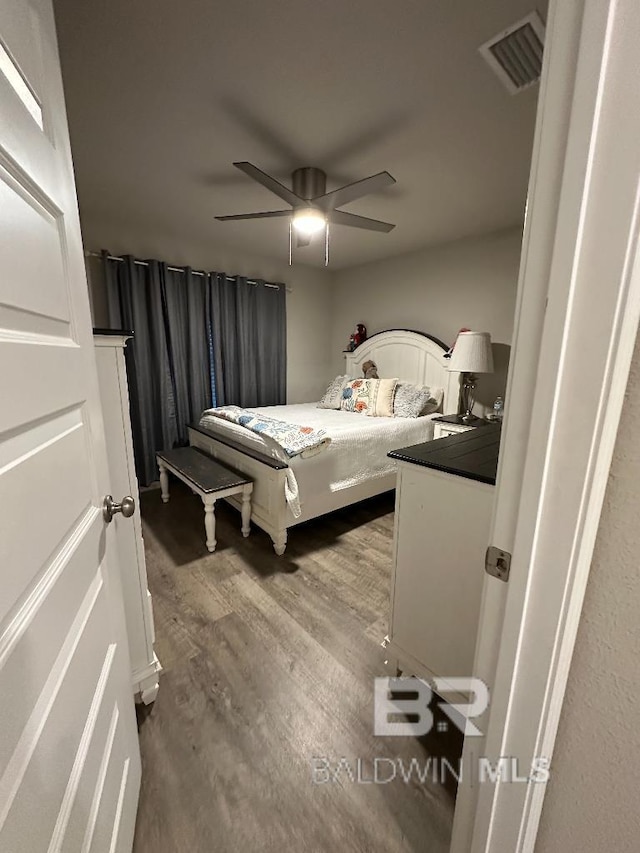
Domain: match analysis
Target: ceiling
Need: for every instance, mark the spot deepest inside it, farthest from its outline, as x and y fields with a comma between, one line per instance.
x=163, y=96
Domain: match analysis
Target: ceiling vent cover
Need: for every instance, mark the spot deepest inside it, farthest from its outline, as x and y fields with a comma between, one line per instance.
x=516, y=54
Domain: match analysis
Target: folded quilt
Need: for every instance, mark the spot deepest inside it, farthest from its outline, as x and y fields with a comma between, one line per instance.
x=294, y=439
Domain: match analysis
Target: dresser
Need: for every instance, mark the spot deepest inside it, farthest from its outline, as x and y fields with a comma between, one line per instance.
x=114, y=395
x=444, y=502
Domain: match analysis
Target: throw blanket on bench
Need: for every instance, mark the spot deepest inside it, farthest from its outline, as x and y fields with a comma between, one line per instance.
x=294, y=439
x=287, y=440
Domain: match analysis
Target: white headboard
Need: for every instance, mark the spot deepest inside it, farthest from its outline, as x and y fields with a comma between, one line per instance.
x=412, y=357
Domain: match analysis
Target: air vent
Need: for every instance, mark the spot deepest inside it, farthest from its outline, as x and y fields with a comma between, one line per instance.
x=516, y=54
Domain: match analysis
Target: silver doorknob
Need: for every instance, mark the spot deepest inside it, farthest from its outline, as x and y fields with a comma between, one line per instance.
x=109, y=507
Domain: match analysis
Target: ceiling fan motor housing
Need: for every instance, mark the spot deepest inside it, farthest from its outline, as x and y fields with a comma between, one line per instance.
x=309, y=182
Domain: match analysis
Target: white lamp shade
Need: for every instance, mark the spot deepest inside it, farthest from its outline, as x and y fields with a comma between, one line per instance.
x=472, y=353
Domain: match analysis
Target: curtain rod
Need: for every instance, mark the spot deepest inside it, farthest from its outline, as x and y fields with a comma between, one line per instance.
x=181, y=270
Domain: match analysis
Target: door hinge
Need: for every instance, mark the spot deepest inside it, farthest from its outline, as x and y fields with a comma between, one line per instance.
x=497, y=563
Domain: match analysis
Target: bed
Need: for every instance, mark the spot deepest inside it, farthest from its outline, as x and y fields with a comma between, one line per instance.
x=355, y=466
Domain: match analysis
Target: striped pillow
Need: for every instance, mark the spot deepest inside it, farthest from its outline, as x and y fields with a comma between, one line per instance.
x=372, y=397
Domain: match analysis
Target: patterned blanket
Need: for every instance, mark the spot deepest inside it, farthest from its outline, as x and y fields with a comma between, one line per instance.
x=295, y=440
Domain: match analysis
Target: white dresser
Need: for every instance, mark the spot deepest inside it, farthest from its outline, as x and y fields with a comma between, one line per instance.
x=114, y=394
x=442, y=528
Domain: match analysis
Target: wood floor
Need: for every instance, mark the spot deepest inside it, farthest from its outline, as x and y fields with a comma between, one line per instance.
x=269, y=664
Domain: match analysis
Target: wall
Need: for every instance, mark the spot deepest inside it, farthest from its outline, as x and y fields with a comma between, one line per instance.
x=470, y=283
x=308, y=304
x=591, y=803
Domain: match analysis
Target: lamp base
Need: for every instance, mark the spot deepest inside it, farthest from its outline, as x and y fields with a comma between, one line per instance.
x=467, y=397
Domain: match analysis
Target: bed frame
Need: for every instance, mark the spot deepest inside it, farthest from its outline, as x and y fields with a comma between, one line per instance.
x=411, y=356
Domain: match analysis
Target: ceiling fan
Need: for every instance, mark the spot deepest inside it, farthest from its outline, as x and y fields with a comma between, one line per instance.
x=312, y=207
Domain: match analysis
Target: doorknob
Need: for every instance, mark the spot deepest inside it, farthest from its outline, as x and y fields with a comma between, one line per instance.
x=110, y=507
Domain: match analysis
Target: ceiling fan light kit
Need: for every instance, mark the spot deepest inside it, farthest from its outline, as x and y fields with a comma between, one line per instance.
x=312, y=207
x=308, y=220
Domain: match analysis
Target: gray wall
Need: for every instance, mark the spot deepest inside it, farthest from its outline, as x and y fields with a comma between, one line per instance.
x=308, y=305
x=592, y=799
x=470, y=283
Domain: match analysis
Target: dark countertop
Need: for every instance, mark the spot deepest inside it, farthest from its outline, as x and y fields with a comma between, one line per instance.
x=472, y=454
x=459, y=420
x=125, y=332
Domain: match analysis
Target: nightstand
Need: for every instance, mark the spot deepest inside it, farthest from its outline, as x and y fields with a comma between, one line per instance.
x=453, y=424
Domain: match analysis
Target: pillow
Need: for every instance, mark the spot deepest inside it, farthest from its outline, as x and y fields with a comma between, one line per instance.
x=333, y=395
x=434, y=403
x=373, y=397
x=412, y=401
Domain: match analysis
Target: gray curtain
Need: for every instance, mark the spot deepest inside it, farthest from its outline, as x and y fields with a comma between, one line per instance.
x=198, y=341
x=168, y=364
x=249, y=341
x=188, y=337
x=136, y=304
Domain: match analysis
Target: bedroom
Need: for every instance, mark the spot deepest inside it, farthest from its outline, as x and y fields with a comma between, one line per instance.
x=272, y=575
x=153, y=172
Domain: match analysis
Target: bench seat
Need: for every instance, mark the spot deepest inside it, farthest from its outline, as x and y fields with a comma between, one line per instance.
x=209, y=479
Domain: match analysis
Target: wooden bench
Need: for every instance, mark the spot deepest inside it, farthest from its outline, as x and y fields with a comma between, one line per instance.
x=209, y=479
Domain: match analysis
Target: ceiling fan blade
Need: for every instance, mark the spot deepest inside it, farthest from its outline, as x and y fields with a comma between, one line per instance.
x=351, y=192
x=339, y=217
x=269, y=214
x=270, y=183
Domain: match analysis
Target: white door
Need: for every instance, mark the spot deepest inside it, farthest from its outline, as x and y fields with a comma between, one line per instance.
x=69, y=759
x=547, y=165
x=577, y=319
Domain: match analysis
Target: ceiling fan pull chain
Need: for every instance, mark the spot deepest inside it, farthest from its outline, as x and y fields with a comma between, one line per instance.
x=290, y=242
x=326, y=245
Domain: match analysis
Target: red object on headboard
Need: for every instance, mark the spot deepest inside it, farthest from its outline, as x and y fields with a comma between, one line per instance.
x=361, y=334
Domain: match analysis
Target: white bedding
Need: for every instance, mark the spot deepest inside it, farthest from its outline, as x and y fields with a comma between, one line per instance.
x=357, y=453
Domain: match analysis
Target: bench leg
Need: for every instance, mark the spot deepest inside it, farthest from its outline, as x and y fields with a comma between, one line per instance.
x=164, y=483
x=280, y=542
x=246, y=511
x=210, y=523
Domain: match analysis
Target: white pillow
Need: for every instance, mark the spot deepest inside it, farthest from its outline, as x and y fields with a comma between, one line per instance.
x=434, y=403
x=412, y=401
x=372, y=397
x=332, y=397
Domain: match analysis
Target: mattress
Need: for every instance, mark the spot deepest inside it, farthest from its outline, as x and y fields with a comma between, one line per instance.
x=357, y=453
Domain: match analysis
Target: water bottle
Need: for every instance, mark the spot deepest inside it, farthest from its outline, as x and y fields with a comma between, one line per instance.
x=498, y=409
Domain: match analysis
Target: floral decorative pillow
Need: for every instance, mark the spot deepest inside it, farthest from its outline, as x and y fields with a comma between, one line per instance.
x=332, y=397
x=412, y=401
x=372, y=397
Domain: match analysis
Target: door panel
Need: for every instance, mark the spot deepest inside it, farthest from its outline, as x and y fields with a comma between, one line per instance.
x=95, y=766
x=57, y=467
x=69, y=760
x=38, y=634
x=40, y=765
x=31, y=250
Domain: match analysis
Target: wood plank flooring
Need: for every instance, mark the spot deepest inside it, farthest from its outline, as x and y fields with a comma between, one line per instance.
x=269, y=665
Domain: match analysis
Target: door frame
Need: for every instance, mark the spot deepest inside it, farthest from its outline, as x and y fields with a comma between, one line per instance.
x=590, y=311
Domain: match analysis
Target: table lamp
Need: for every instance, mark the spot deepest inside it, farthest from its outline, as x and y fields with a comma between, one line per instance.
x=471, y=355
